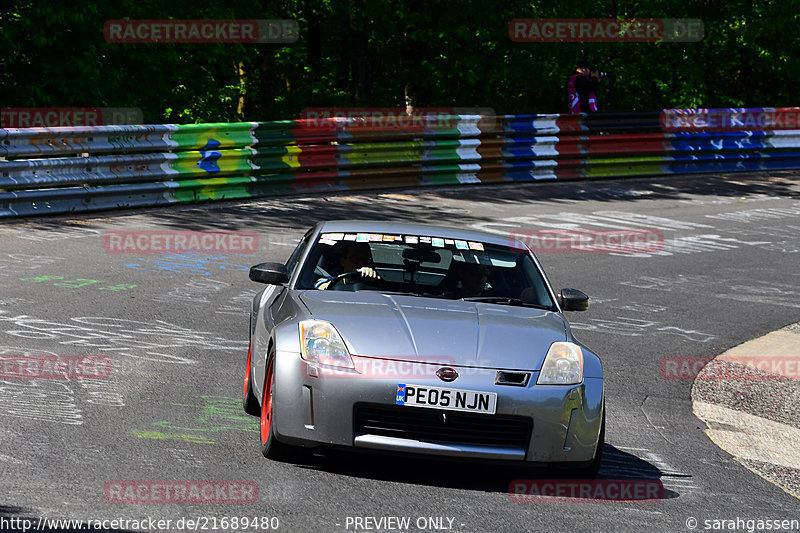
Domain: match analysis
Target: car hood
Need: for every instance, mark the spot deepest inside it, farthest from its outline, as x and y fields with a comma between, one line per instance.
x=453, y=332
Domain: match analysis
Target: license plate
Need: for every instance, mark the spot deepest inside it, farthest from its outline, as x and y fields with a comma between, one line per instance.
x=449, y=399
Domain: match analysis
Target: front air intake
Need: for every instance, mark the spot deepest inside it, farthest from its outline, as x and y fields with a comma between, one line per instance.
x=515, y=379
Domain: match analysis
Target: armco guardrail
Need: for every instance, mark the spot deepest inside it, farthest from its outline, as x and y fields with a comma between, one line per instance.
x=62, y=170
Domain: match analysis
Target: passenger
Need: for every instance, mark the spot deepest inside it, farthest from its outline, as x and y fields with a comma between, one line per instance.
x=473, y=279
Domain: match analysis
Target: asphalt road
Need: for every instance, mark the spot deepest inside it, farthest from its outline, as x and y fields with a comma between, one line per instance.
x=174, y=328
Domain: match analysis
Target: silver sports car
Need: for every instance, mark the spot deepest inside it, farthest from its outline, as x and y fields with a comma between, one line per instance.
x=421, y=339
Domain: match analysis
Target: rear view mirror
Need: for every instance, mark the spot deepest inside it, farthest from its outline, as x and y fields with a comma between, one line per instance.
x=422, y=255
x=573, y=300
x=269, y=273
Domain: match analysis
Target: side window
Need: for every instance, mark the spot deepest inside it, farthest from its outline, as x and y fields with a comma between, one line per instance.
x=291, y=263
x=536, y=281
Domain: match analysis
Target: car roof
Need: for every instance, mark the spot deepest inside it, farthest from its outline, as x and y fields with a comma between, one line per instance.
x=406, y=228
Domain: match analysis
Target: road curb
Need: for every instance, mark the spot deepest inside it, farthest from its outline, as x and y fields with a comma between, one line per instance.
x=754, y=414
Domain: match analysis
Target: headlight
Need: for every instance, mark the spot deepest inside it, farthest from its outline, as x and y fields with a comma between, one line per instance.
x=322, y=344
x=563, y=365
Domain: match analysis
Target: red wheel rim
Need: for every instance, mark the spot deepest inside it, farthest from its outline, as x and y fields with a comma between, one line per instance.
x=247, y=371
x=266, y=404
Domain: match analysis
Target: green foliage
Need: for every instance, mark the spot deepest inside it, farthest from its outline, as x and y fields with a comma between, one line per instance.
x=448, y=53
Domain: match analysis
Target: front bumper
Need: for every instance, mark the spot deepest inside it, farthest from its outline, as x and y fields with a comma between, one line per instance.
x=310, y=411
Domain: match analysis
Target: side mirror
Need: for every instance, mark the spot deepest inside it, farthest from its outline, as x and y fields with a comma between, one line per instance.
x=269, y=273
x=573, y=300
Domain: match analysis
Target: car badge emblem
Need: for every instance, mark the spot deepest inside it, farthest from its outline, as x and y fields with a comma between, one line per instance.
x=447, y=374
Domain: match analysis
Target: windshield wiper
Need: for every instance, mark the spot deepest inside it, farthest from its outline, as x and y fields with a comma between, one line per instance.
x=506, y=301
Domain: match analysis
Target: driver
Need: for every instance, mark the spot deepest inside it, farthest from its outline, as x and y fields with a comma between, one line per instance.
x=357, y=257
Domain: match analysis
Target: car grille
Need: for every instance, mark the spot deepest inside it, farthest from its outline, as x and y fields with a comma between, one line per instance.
x=424, y=424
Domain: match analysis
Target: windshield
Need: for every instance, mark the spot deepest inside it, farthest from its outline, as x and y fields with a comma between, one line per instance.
x=435, y=267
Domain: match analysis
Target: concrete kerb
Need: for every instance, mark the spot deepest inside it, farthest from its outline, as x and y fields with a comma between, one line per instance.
x=756, y=417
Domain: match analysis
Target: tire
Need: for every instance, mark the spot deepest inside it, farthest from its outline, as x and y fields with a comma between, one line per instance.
x=249, y=401
x=271, y=448
x=587, y=470
x=590, y=472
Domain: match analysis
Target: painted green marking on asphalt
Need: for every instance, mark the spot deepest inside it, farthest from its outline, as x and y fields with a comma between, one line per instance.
x=217, y=414
x=195, y=439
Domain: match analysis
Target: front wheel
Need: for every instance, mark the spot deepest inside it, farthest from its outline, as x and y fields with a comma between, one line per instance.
x=249, y=401
x=590, y=472
x=271, y=448
x=587, y=470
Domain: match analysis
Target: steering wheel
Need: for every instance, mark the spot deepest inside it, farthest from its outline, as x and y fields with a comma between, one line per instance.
x=377, y=281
